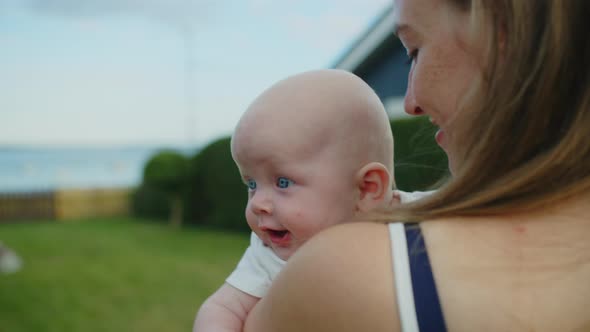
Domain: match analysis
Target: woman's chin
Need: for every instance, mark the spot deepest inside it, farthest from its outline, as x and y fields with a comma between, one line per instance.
x=439, y=137
x=442, y=140
x=451, y=167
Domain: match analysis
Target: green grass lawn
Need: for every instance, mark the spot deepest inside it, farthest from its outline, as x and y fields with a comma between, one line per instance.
x=112, y=275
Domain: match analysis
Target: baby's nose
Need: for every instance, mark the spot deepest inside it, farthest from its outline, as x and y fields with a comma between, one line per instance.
x=261, y=203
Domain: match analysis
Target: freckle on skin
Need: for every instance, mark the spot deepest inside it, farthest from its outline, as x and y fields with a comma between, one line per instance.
x=520, y=229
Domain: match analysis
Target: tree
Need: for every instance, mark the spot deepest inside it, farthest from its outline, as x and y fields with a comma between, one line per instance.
x=166, y=171
x=217, y=195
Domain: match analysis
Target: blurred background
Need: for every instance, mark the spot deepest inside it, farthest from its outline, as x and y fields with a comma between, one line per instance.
x=120, y=206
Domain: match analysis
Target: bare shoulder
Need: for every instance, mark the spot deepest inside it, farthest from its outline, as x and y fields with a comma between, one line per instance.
x=341, y=280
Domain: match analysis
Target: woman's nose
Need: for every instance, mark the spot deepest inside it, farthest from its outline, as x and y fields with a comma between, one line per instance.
x=410, y=103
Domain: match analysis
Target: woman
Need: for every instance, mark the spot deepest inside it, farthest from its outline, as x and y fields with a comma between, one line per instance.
x=508, y=83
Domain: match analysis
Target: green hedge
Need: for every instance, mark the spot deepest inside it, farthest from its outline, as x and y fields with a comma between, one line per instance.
x=149, y=202
x=419, y=162
x=215, y=195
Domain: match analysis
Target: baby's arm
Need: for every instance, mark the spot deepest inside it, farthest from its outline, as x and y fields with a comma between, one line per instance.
x=224, y=311
x=227, y=308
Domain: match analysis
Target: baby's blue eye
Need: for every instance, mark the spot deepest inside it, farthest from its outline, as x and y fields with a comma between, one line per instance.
x=251, y=184
x=283, y=182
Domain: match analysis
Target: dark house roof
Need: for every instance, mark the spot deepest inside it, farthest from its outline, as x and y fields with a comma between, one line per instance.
x=379, y=58
x=378, y=41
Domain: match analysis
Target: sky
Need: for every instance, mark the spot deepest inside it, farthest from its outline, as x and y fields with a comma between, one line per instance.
x=176, y=72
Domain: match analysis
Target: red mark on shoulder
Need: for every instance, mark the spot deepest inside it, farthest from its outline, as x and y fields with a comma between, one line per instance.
x=519, y=229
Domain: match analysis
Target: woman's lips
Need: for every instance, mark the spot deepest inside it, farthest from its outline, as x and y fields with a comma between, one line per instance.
x=440, y=134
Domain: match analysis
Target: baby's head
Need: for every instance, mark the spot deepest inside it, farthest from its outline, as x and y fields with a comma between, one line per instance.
x=315, y=150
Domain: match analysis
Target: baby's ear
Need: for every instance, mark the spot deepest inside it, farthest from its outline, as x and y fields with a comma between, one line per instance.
x=374, y=184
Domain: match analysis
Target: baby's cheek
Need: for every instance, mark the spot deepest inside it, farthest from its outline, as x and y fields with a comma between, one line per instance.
x=251, y=219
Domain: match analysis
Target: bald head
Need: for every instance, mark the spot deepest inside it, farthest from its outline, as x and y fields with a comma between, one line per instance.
x=311, y=111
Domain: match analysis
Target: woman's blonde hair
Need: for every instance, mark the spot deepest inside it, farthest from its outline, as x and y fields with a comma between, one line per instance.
x=525, y=133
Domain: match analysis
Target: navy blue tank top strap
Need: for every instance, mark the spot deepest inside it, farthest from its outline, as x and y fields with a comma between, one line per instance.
x=428, y=309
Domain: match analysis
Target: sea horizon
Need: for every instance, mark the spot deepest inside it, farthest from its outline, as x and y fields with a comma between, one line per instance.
x=38, y=168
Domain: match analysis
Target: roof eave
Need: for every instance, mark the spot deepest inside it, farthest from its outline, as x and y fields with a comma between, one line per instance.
x=376, y=38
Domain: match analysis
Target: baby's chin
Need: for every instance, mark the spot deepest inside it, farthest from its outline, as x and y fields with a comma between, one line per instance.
x=283, y=253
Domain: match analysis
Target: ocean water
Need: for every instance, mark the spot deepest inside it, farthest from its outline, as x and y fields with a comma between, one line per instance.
x=40, y=169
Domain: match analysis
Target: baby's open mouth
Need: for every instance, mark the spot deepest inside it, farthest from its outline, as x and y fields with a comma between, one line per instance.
x=277, y=236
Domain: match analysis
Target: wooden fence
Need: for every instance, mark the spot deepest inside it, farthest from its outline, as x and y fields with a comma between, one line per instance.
x=27, y=206
x=65, y=204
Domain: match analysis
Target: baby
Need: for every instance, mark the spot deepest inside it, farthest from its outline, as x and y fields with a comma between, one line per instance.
x=314, y=150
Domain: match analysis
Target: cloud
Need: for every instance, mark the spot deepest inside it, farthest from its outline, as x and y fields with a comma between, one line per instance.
x=183, y=13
